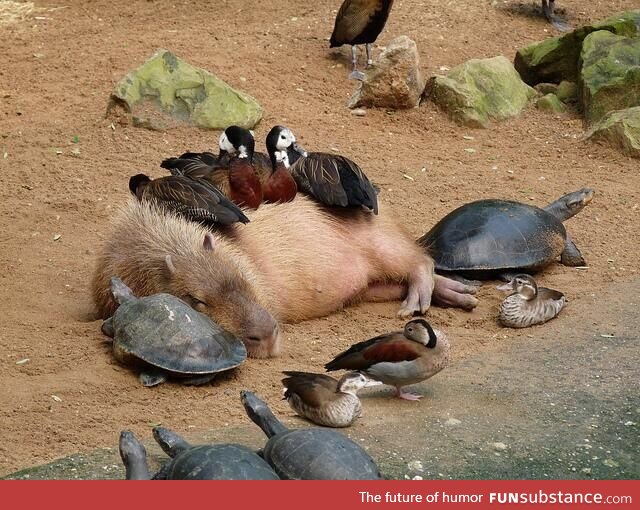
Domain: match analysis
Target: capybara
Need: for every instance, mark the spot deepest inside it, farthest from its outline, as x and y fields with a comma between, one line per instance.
x=293, y=261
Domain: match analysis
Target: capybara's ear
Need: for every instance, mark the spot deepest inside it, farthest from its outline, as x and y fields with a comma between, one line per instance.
x=169, y=263
x=209, y=242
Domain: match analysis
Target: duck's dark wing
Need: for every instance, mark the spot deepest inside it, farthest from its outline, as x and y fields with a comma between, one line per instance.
x=194, y=164
x=197, y=200
x=313, y=389
x=334, y=180
x=392, y=347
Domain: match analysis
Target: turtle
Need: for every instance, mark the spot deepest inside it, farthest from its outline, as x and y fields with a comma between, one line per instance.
x=489, y=238
x=189, y=462
x=166, y=337
x=308, y=454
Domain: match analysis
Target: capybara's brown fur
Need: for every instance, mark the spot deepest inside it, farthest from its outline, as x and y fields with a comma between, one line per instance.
x=296, y=260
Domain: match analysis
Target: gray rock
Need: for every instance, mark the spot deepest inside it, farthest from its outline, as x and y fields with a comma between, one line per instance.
x=621, y=129
x=479, y=90
x=610, y=74
x=395, y=81
x=550, y=103
x=557, y=58
x=167, y=91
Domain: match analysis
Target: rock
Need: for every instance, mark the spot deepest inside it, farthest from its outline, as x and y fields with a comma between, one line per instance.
x=395, y=81
x=415, y=465
x=479, y=90
x=499, y=446
x=610, y=74
x=452, y=422
x=567, y=91
x=621, y=129
x=546, y=88
x=166, y=91
x=556, y=59
x=550, y=103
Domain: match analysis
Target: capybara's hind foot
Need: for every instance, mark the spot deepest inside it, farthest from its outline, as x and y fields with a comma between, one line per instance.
x=449, y=292
x=420, y=288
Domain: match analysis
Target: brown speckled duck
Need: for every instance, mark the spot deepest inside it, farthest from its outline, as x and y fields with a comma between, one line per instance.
x=528, y=304
x=195, y=199
x=399, y=358
x=324, y=400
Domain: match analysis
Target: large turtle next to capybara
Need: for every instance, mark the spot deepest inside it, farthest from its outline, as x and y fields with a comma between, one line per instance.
x=492, y=237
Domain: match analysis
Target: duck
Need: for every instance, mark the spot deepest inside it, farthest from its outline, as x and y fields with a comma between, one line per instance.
x=195, y=199
x=278, y=185
x=324, y=400
x=527, y=304
x=232, y=171
x=331, y=179
x=359, y=22
x=399, y=358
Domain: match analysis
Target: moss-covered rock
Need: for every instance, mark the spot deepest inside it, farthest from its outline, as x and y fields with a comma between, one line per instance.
x=621, y=129
x=610, y=75
x=550, y=103
x=166, y=91
x=567, y=91
x=546, y=88
x=556, y=59
x=479, y=90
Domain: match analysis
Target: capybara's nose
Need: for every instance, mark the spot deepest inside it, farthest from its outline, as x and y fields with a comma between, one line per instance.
x=263, y=337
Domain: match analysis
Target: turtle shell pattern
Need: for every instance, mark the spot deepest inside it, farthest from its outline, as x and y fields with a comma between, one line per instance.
x=219, y=462
x=494, y=235
x=164, y=331
x=319, y=454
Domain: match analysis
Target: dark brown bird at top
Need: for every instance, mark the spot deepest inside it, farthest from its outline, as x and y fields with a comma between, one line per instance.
x=196, y=200
x=548, y=7
x=359, y=22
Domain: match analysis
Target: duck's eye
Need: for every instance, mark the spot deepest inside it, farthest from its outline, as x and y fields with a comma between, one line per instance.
x=409, y=330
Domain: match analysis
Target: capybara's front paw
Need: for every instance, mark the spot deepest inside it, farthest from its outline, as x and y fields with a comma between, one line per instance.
x=449, y=292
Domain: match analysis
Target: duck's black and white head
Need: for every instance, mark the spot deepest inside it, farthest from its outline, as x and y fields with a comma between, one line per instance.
x=521, y=284
x=282, y=146
x=419, y=330
x=354, y=381
x=239, y=141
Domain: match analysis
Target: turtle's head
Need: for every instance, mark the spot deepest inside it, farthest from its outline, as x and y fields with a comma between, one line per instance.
x=571, y=204
x=120, y=291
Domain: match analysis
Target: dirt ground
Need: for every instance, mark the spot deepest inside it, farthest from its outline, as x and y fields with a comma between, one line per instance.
x=64, y=170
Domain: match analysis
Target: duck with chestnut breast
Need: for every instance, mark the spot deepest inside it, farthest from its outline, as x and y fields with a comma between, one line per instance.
x=400, y=358
x=324, y=400
x=359, y=22
x=330, y=179
x=528, y=304
x=195, y=199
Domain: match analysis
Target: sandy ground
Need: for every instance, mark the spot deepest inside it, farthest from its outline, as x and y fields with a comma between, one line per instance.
x=60, y=63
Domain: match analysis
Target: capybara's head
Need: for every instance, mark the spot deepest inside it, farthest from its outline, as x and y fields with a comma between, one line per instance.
x=212, y=283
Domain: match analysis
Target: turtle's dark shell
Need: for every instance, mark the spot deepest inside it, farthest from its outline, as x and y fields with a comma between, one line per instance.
x=319, y=455
x=218, y=462
x=165, y=332
x=490, y=235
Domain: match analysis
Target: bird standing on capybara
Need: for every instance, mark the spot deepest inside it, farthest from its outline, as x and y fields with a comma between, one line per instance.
x=293, y=261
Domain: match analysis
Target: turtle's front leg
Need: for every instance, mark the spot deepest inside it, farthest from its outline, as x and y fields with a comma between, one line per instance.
x=571, y=255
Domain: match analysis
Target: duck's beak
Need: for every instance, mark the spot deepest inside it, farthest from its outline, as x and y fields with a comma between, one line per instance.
x=297, y=148
x=505, y=287
x=371, y=383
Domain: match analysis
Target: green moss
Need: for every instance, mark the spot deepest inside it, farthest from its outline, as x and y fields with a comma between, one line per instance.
x=621, y=129
x=550, y=103
x=479, y=90
x=168, y=87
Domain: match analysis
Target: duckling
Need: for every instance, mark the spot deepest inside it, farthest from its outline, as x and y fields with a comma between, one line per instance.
x=359, y=22
x=331, y=179
x=197, y=200
x=324, y=400
x=528, y=304
x=399, y=358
